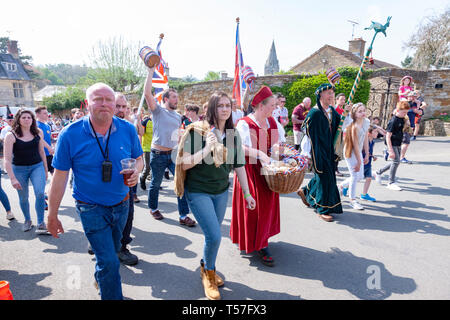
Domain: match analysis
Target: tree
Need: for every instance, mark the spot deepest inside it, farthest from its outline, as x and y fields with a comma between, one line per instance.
x=430, y=43
x=407, y=63
x=70, y=98
x=116, y=62
x=212, y=75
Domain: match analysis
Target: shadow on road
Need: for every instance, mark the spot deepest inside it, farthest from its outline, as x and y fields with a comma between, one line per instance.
x=405, y=209
x=24, y=286
x=336, y=269
x=172, y=282
x=364, y=221
x=155, y=243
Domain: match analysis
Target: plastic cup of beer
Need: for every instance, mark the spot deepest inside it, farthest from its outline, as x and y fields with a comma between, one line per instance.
x=128, y=167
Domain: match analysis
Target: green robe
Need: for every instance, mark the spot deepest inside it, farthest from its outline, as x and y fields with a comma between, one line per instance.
x=321, y=192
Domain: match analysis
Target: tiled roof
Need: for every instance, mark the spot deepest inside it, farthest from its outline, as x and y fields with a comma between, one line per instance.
x=378, y=64
x=18, y=74
x=48, y=91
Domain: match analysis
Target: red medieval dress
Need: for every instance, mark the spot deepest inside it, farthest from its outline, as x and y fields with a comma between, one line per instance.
x=251, y=229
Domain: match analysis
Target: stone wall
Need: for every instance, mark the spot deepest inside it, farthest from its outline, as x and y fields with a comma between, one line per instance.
x=435, y=127
x=380, y=103
x=437, y=99
x=7, y=94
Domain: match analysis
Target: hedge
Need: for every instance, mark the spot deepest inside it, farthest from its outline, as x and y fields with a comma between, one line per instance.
x=306, y=85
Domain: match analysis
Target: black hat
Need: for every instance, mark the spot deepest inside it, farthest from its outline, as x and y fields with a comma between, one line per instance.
x=9, y=114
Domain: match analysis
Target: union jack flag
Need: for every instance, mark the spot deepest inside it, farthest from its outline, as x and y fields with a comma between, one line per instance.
x=239, y=84
x=160, y=81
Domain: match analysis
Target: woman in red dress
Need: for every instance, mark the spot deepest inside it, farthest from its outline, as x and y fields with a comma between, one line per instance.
x=259, y=131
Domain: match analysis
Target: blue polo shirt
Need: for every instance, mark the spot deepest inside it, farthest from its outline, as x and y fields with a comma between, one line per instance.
x=47, y=134
x=77, y=149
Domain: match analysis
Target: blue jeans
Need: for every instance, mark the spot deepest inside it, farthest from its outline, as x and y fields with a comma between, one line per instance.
x=103, y=227
x=209, y=210
x=35, y=173
x=4, y=197
x=159, y=163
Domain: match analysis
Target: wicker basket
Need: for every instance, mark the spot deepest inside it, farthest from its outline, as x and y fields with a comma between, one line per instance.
x=283, y=183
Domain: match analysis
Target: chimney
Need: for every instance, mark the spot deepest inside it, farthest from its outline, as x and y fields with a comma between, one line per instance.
x=13, y=49
x=223, y=75
x=357, y=46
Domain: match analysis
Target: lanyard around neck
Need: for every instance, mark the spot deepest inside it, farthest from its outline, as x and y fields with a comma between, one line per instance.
x=106, y=153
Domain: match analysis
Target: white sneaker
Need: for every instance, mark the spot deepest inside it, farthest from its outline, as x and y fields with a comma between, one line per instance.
x=356, y=205
x=377, y=178
x=10, y=216
x=393, y=186
x=42, y=229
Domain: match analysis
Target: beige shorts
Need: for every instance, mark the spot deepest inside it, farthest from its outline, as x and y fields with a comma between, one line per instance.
x=298, y=136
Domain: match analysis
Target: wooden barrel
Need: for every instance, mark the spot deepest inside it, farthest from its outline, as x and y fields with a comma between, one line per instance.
x=149, y=56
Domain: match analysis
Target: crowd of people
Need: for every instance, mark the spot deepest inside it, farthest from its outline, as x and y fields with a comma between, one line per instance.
x=200, y=148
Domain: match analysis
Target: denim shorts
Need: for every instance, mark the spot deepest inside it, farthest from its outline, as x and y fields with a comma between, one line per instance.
x=368, y=171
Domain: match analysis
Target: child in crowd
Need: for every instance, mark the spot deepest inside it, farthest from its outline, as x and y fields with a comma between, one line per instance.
x=405, y=88
x=394, y=138
x=421, y=107
x=373, y=133
x=355, y=140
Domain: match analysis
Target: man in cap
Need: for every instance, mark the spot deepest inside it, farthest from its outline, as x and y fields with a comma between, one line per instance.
x=320, y=127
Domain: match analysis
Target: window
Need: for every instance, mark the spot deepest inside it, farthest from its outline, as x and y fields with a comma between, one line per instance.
x=12, y=67
x=18, y=90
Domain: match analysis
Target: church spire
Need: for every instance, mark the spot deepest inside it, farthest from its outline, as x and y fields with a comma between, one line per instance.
x=272, y=65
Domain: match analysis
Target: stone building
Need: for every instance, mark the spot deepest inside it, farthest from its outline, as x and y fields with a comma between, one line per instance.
x=329, y=56
x=272, y=66
x=15, y=84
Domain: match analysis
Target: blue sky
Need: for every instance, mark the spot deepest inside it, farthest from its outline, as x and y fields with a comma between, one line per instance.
x=200, y=35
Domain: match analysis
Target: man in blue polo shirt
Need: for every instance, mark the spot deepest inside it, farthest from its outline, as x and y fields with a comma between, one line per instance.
x=41, y=121
x=93, y=148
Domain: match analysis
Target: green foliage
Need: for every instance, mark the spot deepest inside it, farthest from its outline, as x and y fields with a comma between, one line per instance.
x=407, y=63
x=51, y=76
x=63, y=74
x=71, y=98
x=305, y=86
x=352, y=72
x=117, y=78
x=212, y=75
x=281, y=72
x=115, y=62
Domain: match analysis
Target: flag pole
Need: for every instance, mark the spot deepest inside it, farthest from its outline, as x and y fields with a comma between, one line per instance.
x=239, y=64
x=141, y=103
x=378, y=28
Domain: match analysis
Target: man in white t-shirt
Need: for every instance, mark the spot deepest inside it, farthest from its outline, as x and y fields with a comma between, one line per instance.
x=236, y=113
x=7, y=127
x=281, y=113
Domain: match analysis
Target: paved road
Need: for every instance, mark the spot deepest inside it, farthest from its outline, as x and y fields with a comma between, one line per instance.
x=397, y=248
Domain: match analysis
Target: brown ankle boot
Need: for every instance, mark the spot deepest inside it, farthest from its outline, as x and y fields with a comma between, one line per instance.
x=209, y=284
x=219, y=280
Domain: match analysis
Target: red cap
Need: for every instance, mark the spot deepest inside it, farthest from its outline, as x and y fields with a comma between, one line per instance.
x=261, y=95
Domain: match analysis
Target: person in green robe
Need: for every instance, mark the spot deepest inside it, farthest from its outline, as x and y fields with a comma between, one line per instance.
x=320, y=127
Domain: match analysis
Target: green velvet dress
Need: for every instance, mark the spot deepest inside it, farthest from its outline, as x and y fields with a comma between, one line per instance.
x=321, y=192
